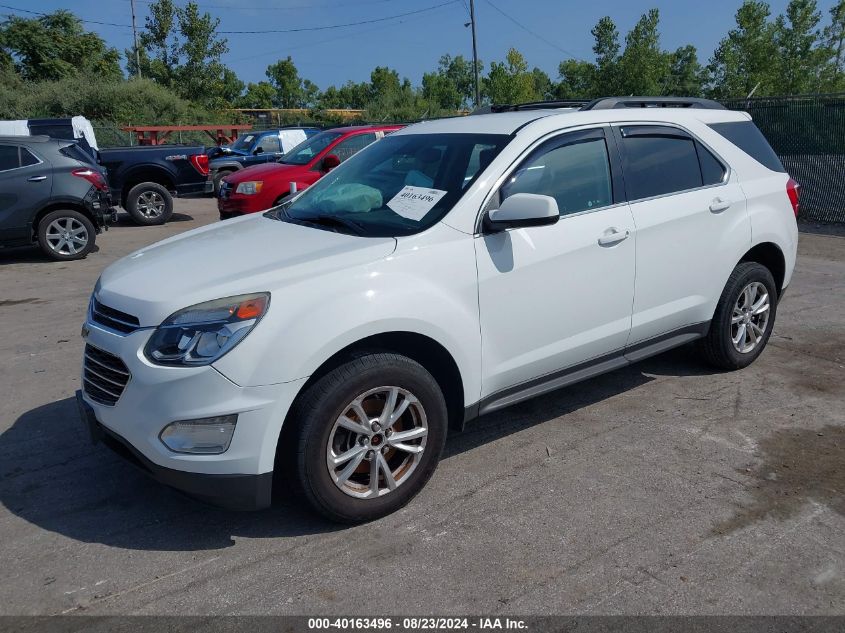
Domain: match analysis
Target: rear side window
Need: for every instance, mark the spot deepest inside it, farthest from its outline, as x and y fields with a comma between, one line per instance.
x=9, y=157
x=747, y=137
x=712, y=171
x=27, y=158
x=659, y=161
x=77, y=153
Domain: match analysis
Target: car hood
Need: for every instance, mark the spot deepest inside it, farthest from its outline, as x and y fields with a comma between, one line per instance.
x=265, y=170
x=250, y=254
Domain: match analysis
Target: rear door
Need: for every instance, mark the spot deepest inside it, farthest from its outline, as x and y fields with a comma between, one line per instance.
x=691, y=221
x=26, y=181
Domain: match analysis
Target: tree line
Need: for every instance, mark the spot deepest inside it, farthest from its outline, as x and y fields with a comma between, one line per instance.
x=180, y=58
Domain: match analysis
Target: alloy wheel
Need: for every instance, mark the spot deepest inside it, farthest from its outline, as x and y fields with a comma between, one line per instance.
x=151, y=204
x=67, y=236
x=750, y=317
x=377, y=442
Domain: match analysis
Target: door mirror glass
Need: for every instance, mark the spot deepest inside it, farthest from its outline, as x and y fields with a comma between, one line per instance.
x=258, y=150
x=330, y=162
x=523, y=210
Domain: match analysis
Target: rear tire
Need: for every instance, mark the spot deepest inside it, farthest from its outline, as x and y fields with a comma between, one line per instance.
x=149, y=203
x=744, y=318
x=327, y=430
x=65, y=235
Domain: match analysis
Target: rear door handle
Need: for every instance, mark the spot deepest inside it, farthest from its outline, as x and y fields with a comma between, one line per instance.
x=36, y=178
x=718, y=205
x=613, y=236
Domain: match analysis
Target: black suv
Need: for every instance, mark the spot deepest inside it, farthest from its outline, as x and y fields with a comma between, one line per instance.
x=51, y=193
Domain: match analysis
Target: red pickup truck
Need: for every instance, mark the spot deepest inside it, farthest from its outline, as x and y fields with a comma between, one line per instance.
x=264, y=186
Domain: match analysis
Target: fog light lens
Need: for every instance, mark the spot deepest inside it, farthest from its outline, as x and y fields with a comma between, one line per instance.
x=206, y=436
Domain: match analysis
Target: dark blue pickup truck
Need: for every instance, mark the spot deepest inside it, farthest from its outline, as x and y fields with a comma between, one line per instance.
x=255, y=148
x=144, y=179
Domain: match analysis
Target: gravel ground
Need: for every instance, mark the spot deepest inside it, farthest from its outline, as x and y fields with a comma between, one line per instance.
x=662, y=488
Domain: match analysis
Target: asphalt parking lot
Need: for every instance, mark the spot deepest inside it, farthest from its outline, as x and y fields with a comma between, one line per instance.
x=662, y=488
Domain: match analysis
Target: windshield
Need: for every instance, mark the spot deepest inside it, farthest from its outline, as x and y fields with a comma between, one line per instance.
x=305, y=151
x=244, y=142
x=398, y=186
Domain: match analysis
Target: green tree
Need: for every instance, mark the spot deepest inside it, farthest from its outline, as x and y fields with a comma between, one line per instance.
x=746, y=60
x=183, y=51
x=259, y=95
x=55, y=46
x=834, y=35
x=686, y=75
x=803, y=58
x=543, y=86
x=384, y=81
x=284, y=77
x=576, y=80
x=510, y=81
x=349, y=95
x=606, y=49
x=643, y=66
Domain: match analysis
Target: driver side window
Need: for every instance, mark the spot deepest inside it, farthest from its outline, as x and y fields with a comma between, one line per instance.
x=574, y=170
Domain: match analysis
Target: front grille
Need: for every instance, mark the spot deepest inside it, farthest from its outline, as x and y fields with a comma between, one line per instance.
x=104, y=376
x=225, y=189
x=114, y=319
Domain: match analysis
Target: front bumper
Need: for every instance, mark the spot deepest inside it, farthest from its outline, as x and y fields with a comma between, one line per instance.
x=155, y=396
x=233, y=492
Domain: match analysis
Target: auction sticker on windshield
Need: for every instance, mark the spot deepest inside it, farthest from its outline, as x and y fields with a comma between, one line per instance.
x=414, y=202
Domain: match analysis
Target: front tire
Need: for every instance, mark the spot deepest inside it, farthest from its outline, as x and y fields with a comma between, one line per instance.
x=367, y=437
x=149, y=203
x=744, y=318
x=65, y=235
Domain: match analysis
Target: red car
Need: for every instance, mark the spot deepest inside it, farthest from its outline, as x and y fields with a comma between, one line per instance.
x=264, y=186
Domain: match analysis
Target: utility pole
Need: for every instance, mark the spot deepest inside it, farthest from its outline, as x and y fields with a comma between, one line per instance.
x=135, y=37
x=474, y=53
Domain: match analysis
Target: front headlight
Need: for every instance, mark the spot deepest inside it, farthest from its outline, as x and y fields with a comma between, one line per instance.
x=250, y=187
x=201, y=334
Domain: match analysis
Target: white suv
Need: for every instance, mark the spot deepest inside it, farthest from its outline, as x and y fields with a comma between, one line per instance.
x=454, y=268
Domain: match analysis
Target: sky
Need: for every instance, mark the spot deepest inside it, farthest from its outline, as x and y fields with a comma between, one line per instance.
x=545, y=31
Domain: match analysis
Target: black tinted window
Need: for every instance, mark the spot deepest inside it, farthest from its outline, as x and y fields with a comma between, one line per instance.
x=712, y=171
x=746, y=136
x=576, y=175
x=656, y=165
x=9, y=157
x=27, y=158
x=77, y=153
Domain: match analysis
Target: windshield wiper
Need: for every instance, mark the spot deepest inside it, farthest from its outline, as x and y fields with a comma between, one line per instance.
x=332, y=221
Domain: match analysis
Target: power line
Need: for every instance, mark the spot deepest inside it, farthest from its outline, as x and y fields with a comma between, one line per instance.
x=325, y=27
x=5, y=6
x=534, y=33
x=289, y=8
x=339, y=26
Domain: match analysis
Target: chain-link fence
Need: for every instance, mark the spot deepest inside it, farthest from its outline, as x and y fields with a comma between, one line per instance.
x=808, y=133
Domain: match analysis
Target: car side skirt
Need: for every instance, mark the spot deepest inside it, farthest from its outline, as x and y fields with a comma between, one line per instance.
x=588, y=369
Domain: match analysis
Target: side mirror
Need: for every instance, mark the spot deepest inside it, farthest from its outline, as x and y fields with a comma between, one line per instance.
x=522, y=210
x=258, y=150
x=330, y=161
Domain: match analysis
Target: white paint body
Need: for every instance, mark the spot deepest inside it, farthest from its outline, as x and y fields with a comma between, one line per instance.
x=509, y=307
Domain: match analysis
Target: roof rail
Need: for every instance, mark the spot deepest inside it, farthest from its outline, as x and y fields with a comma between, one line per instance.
x=613, y=103
x=533, y=105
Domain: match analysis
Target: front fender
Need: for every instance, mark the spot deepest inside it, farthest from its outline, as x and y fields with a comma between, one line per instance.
x=430, y=290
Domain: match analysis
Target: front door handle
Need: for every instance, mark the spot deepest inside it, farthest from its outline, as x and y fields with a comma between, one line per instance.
x=36, y=178
x=613, y=236
x=718, y=205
